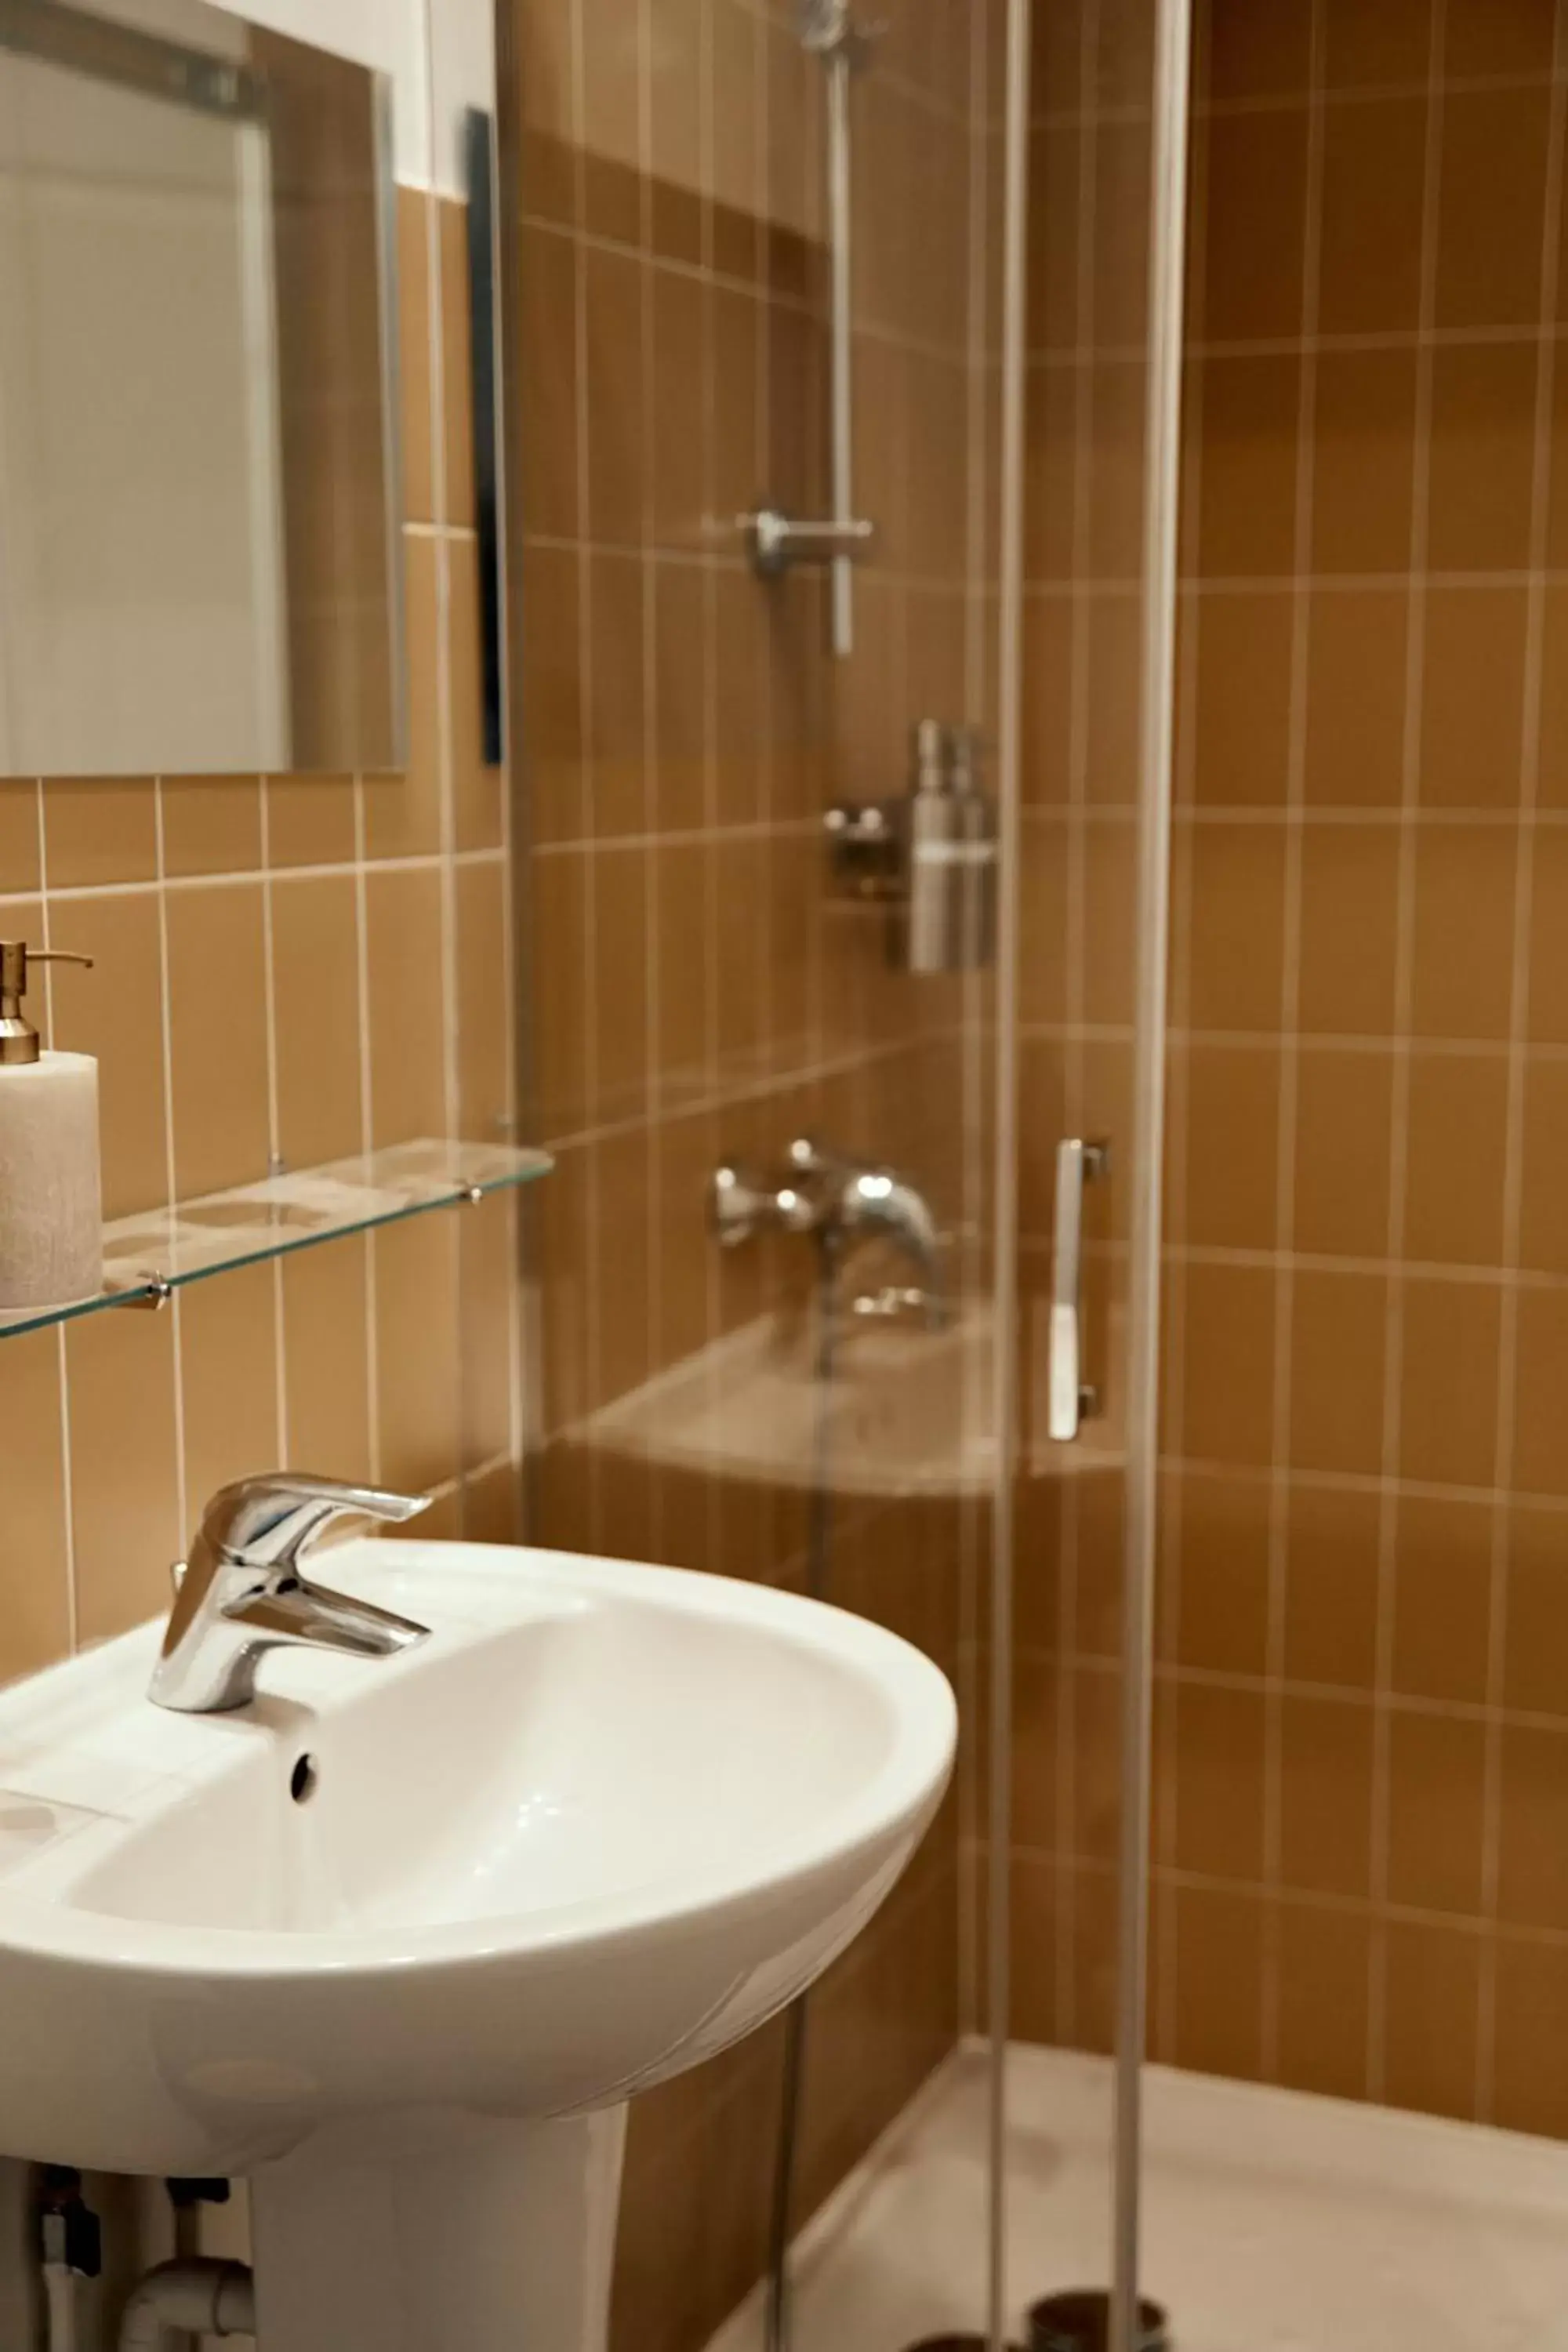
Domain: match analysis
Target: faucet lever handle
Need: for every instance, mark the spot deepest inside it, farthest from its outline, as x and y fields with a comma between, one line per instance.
x=808, y=1157
x=269, y=1521
x=241, y=1593
x=741, y=1202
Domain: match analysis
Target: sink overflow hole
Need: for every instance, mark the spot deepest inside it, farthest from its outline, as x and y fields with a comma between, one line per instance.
x=302, y=1780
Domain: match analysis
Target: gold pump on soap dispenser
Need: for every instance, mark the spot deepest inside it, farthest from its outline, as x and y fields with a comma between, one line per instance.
x=51, y=1211
x=19, y=1038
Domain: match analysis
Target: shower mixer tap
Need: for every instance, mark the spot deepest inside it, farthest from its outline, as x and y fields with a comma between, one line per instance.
x=743, y=1202
x=839, y=1202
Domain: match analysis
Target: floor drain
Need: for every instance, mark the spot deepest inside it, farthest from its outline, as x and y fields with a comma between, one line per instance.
x=959, y=2344
x=1081, y=2322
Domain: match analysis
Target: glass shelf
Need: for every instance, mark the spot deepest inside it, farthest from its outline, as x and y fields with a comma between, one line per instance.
x=147, y=1257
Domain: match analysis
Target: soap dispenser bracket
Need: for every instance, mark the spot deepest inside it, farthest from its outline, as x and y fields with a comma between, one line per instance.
x=867, y=849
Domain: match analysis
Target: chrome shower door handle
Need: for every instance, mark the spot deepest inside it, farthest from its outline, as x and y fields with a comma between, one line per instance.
x=1071, y=1400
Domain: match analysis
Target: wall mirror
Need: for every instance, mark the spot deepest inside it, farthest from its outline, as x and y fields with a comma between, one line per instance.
x=200, y=565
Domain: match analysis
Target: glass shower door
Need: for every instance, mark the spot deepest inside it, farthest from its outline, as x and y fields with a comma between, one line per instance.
x=1362, y=1763
x=1104, y=216
x=704, y=991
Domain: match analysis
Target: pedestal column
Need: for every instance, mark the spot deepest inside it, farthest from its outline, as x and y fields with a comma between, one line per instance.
x=473, y=2236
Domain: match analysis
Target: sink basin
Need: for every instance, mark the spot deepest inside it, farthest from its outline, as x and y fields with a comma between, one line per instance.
x=373, y=1931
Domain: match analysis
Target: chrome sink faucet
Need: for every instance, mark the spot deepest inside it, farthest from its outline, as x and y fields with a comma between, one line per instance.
x=839, y=1201
x=241, y=1593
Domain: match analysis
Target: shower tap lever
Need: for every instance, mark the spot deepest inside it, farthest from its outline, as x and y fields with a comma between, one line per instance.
x=742, y=1201
x=839, y=1201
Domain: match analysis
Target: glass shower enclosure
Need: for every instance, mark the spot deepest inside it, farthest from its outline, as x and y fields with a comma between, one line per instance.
x=1178, y=545
x=842, y=477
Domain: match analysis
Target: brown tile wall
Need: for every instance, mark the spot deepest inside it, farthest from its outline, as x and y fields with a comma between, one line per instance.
x=693, y=989
x=1362, y=1701
x=300, y=965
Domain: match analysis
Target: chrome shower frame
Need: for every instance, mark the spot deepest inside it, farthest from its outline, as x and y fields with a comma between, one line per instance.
x=1167, y=217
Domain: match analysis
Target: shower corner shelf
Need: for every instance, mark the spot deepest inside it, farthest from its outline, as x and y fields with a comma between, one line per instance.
x=148, y=1257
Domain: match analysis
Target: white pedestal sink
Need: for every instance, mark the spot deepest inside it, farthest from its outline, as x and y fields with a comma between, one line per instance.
x=399, y=1940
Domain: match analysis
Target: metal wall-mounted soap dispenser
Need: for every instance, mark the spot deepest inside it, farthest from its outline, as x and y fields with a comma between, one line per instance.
x=928, y=855
x=951, y=924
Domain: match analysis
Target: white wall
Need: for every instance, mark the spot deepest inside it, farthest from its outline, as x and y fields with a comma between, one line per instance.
x=462, y=74
x=430, y=89
x=386, y=34
x=141, y=563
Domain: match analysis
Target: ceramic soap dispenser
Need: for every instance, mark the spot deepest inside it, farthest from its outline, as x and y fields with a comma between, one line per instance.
x=51, y=1214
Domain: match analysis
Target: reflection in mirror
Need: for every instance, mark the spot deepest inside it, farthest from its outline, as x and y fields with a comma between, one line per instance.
x=199, y=567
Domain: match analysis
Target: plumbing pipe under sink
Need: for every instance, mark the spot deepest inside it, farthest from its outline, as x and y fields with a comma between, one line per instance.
x=202, y=2297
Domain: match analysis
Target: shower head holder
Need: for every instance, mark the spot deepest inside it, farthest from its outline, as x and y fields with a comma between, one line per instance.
x=828, y=29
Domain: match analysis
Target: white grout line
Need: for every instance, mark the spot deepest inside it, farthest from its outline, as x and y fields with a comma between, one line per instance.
x=689, y=836
x=367, y=1123
x=1326, y=1041
x=579, y=244
x=1519, y=1022
x=1290, y=998
x=523, y=1351
x=1415, y=678
x=253, y=877
x=648, y=573
x=1427, y=1271
x=1104, y=1664
x=274, y=1129
x=713, y=1300
x=1502, y=1279
x=1363, y=1482
x=736, y=570
x=1291, y=99
x=1122, y=586
x=182, y=1500
x=1333, y=816
x=1469, y=1924
x=67, y=1493
x=1340, y=817
x=1060, y=358
x=447, y=784
x=764, y=782
x=1329, y=1694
